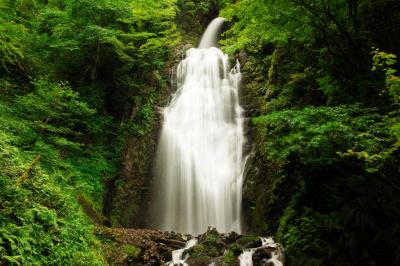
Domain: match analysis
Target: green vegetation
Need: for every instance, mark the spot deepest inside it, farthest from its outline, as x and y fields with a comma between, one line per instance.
x=41, y=221
x=77, y=79
x=324, y=101
x=80, y=84
x=229, y=258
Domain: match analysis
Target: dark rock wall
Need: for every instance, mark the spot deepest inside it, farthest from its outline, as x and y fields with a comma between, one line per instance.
x=128, y=199
x=267, y=188
x=132, y=185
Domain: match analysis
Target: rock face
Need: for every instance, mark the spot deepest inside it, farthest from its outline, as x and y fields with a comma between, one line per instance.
x=127, y=201
x=266, y=189
x=129, y=193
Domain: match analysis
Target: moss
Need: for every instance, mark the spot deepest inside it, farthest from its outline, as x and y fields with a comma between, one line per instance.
x=211, y=239
x=121, y=254
x=236, y=249
x=132, y=252
x=206, y=249
x=198, y=250
x=214, y=252
x=229, y=258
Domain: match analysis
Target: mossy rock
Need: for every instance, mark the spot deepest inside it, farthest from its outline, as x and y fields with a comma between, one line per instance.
x=205, y=250
x=121, y=255
x=201, y=260
x=132, y=253
x=196, y=251
x=249, y=242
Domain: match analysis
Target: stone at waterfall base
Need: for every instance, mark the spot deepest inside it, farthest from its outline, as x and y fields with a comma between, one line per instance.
x=152, y=247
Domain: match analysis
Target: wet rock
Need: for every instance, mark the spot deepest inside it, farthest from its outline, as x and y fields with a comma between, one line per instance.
x=201, y=260
x=242, y=57
x=138, y=246
x=247, y=242
x=230, y=238
x=262, y=254
x=152, y=247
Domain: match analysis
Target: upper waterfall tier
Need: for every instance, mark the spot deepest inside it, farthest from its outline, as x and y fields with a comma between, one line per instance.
x=210, y=36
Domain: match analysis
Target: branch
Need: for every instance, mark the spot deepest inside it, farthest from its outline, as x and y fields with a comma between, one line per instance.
x=28, y=171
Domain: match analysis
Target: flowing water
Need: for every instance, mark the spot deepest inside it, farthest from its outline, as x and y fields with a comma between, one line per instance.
x=178, y=257
x=200, y=160
x=277, y=256
x=210, y=36
x=246, y=258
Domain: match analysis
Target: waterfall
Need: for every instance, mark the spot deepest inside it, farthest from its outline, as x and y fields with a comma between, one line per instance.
x=199, y=164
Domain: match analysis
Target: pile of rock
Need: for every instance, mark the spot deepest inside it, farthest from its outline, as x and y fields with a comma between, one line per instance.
x=152, y=247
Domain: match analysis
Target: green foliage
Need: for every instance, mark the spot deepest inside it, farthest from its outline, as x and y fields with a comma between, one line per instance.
x=229, y=258
x=253, y=24
x=77, y=78
x=41, y=224
x=198, y=250
x=115, y=46
x=11, y=52
x=143, y=122
x=332, y=38
x=193, y=15
x=235, y=249
x=324, y=171
x=329, y=129
x=385, y=62
x=211, y=239
x=340, y=159
x=55, y=112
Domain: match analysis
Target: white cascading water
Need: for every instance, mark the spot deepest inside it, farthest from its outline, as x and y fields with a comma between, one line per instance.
x=210, y=36
x=246, y=258
x=178, y=257
x=277, y=255
x=199, y=165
